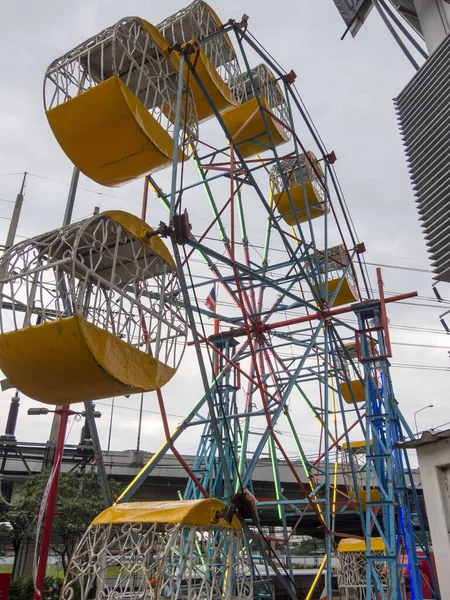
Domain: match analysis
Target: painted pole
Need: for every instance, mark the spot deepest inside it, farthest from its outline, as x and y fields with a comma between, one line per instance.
x=64, y=413
x=16, y=214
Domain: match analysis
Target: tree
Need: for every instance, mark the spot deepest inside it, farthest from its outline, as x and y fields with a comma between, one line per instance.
x=79, y=501
x=309, y=546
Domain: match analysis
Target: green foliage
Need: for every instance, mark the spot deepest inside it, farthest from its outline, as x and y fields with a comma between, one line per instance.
x=79, y=501
x=309, y=546
x=23, y=589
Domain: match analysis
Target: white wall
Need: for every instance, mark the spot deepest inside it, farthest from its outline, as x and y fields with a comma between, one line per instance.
x=434, y=17
x=434, y=464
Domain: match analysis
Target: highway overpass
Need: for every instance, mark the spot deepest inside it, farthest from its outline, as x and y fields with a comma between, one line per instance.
x=20, y=459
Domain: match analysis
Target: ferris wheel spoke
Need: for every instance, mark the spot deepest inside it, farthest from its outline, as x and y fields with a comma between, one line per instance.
x=165, y=199
x=275, y=416
x=245, y=271
x=297, y=386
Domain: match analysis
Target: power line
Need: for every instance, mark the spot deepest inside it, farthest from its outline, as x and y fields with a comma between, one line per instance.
x=399, y=267
x=419, y=345
x=420, y=367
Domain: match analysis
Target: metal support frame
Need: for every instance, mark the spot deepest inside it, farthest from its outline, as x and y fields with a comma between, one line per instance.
x=318, y=335
x=261, y=291
x=397, y=515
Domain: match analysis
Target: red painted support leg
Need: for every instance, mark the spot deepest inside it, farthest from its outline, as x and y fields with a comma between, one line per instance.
x=50, y=512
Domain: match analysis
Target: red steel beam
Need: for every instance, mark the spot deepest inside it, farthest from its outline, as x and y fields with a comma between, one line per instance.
x=329, y=313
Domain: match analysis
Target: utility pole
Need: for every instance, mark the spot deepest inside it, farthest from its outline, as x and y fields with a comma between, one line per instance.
x=67, y=219
x=16, y=214
x=57, y=434
x=5, y=384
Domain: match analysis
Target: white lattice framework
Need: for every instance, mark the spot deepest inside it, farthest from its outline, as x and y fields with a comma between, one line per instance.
x=267, y=86
x=157, y=560
x=354, y=468
x=338, y=263
x=127, y=50
x=198, y=21
x=98, y=270
x=351, y=575
x=289, y=174
x=347, y=359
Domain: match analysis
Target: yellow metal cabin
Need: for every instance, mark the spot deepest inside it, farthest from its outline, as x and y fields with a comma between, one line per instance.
x=182, y=550
x=354, y=461
x=94, y=311
x=247, y=122
x=111, y=104
x=351, y=572
x=352, y=387
x=299, y=195
x=215, y=61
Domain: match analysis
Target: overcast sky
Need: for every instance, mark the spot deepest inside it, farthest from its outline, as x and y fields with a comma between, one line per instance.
x=348, y=88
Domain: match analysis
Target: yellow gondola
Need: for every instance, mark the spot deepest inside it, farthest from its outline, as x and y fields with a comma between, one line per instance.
x=352, y=567
x=215, y=62
x=94, y=311
x=111, y=104
x=299, y=197
x=184, y=550
x=247, y=122
x=355, y=453
x=352, y=388
x=341, y=286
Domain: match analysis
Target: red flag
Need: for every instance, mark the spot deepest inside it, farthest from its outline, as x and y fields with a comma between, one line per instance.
x=211, y=299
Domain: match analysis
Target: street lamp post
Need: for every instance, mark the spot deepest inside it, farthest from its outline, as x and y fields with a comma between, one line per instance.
x=418, y=411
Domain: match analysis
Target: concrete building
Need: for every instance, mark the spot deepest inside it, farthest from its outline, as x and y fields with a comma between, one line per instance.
x=433, y=453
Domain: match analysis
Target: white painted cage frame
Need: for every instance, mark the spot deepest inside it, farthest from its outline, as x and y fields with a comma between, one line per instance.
x=158, y=560
x=198, y=22
x=351, y=575
x=98, y=270
x=127, y=50
x=289, y=174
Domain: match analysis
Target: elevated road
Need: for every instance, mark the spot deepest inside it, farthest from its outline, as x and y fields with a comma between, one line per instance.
x=20, y=459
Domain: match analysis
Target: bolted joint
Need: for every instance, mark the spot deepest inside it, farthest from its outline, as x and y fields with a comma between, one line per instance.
x=331, y=158
x=290, y=77
x=180, y=228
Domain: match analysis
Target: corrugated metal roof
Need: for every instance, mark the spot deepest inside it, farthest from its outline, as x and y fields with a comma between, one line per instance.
x=423, y=110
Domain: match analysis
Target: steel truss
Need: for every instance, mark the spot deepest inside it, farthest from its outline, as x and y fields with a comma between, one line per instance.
x=282, y=340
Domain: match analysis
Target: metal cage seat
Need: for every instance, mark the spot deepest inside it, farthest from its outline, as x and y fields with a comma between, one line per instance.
x=94, y=311
x=351, y=572
x=216, y=63
x=247, y=122
x=354, y=454
x=351, y=385
x=297, y=196
x=111, y=104
x=337, y=283
x=183, y=550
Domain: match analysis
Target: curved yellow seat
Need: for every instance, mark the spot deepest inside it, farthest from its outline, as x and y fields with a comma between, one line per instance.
x=345, y=295
x=110, y=135
x=216, y=87
x=71, y=360
x=246, y=125
x=300, y=201
x=374, y=497
x=356, y=387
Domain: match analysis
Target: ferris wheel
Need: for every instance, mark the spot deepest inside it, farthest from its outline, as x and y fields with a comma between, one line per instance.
x=265, y=277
